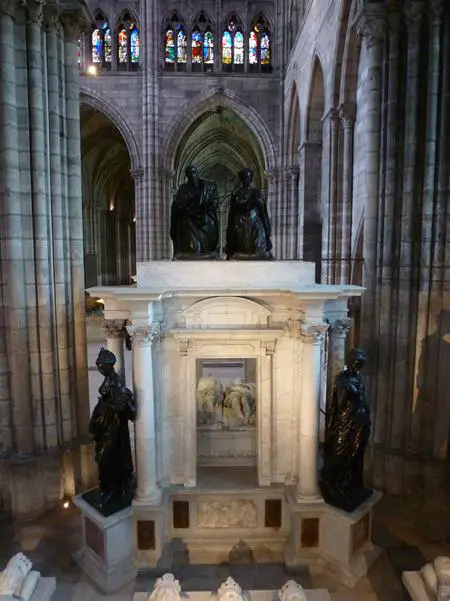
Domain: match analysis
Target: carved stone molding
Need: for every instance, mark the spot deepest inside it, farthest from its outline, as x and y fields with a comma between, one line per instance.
x=184, y=346
x=347, y=113
x=293, y=328
x=35, y=11
x=314, y=333
x=51, y=18
x=144, y=335
x=272, y=176
x=114, y=328
x=137, y=174
x=269, y=345
x=371, y=23
x=8, y=7
x=437, y=8
x=291, y=173
x=340, y=328
x=413, y=11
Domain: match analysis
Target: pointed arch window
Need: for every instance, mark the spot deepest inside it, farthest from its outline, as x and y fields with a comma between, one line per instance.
x=260, y=45
x=202, y=43
x=101, y=42
x=128, y=44
x=232, y=45
x=175, y=44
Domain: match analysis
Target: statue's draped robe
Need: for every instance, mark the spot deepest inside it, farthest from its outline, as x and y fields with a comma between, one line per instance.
x=248, y=228
x=109, y=428
x=194, y=224
x=347, y=431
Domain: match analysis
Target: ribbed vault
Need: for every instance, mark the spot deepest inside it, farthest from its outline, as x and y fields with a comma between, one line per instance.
x=221, y=144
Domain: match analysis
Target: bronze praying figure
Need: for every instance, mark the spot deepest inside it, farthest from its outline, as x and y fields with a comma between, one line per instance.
x=248, y=229
x=109, y=429
x=194, y=224
x=347, y=431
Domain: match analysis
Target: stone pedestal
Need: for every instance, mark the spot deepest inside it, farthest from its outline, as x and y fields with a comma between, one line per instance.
x=107, y=552
x=333, y=541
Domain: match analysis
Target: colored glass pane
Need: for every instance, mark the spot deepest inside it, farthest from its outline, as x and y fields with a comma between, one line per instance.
x=238, y=50
x=169, y=47
x=107, y=41
x=231, y=25
x=97, y=46
x=265, y=49
x=227, y=45
x=253, y=49
x=197, y=43
x=123, y=46
x=134, y=46
x=79, y=52
x=208, y=48
x=181, y=46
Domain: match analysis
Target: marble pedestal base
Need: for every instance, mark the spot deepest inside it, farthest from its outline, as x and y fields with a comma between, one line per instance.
x=107, y=552
x=331, y=540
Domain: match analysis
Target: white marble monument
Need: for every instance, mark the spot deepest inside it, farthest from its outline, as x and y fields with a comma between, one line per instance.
x=230, y=363
x=19, y=582
x=432, y=583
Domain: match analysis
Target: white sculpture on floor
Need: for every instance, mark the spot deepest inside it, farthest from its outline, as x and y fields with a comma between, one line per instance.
x=209, y=401
x=437, y=578
x=18, y=580
x=292, y=591
x=230, y=591
x=239, y=405
x=166, y=588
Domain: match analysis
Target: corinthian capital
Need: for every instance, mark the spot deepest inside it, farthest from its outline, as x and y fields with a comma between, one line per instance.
x=340, y=328
x=35, y=11
x=413, y=11
x=314, y=333
x=144, y=335
x=114, y=328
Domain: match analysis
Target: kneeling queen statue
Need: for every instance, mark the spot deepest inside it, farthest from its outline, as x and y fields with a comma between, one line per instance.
x=347, y=430
x=109, y=428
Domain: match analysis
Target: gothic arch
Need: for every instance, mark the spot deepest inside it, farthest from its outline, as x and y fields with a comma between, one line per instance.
x=108, y=108
x=341, y=43
x=350, y=61
x=133, y=14
x=213, y=99
x=316, y=103
x=293, y=134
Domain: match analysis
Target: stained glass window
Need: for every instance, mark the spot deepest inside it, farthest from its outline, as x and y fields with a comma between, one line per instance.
x=169, y=47
x=208, y=48
x=79, y=52
x=265, y=49
x=107, y=42
x=97, y=46
x=197, y=44
x=123, y=46
x=227, y=45
x=238, y=50
x=181, y=46
x=134, y=45
x=253, y=48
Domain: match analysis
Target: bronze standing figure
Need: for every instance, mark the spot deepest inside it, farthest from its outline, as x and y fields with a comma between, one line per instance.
x=194, y=223
x=248, y=228
x=347, y=431
x=109, y=428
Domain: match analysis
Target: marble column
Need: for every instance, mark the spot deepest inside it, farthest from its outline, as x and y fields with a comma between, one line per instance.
x=312, y=336
x=347, y=113
x=148, y=491
x=337, y=348
x=115, y=344
x=371, y=24
x=14, y=290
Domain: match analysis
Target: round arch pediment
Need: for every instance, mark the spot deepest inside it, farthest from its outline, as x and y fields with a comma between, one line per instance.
x=226, y=312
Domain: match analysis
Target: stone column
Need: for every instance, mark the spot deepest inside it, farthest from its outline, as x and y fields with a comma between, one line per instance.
x=73, y=24
x=290, y=219
x=274, y=209
x=14, y=292
x=312, y=336
x=347, y=113
x=337, y=347
x=331, y=245
x=147, y=491
x=114, y=343
x=371, y=24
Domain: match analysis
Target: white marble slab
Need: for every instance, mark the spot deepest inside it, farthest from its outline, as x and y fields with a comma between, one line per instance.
x=415, y=585
x=207, y=275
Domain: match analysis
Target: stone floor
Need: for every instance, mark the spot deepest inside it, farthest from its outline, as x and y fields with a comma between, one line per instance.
x=410, y=534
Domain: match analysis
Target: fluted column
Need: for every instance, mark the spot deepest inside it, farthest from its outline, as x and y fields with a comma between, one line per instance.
x=371, y=24
x=312, y=336
x=114, y=342
x=147, y=491
x=337, y=346
x=347, y=113
x=274, y=185
x=14, y=293
x=73, y=24
x=291, y=213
